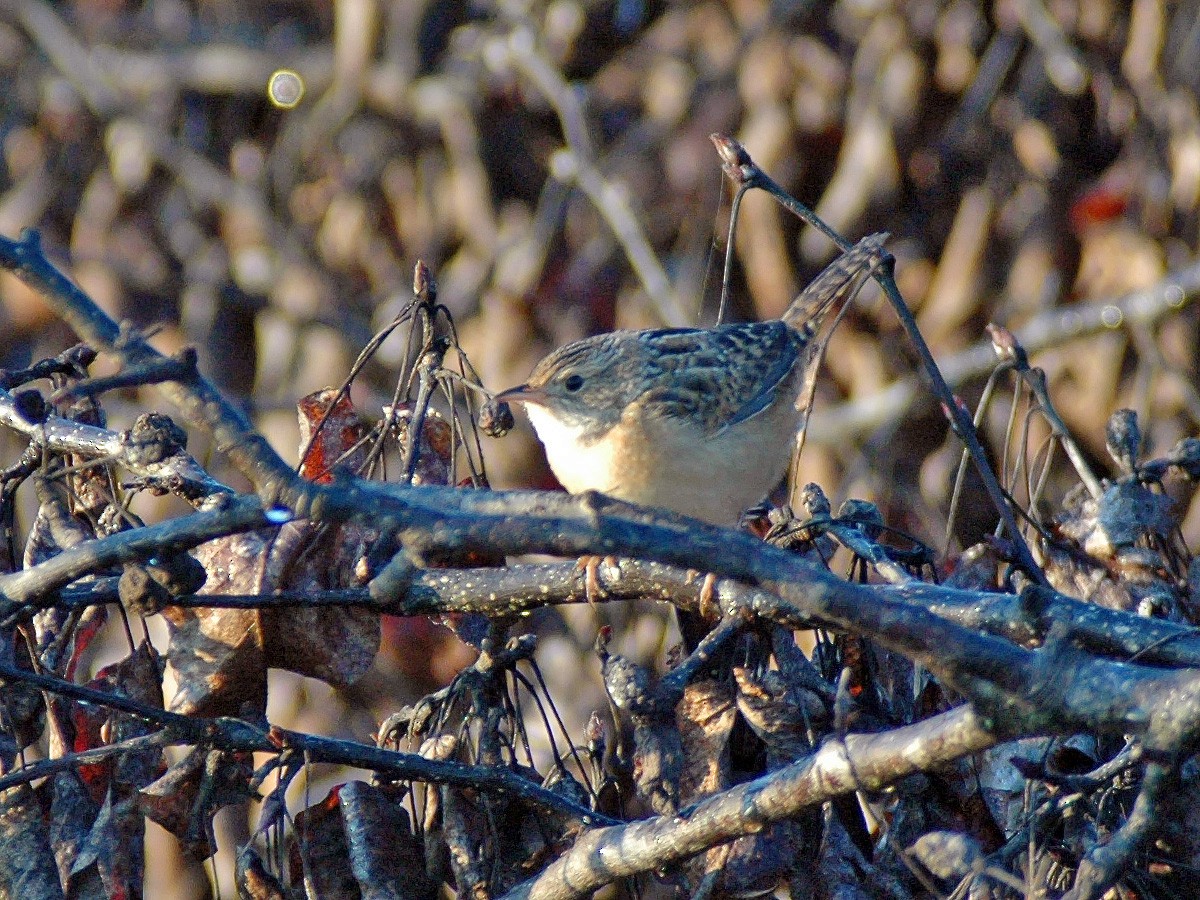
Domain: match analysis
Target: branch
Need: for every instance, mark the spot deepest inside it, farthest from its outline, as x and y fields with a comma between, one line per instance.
x=1112, y=632
x=176, y=472
x=1101, y=868
x=34, y=588
x=518, y=589
x=236, y=735
x=863, y=762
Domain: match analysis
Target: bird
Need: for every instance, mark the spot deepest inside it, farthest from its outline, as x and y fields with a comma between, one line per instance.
x=696, y=421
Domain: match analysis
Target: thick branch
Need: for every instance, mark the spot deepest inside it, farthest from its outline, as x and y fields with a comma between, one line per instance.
x=36, y=585
x=861, y=762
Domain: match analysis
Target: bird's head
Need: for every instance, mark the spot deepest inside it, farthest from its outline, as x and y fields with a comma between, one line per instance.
x=585, y=385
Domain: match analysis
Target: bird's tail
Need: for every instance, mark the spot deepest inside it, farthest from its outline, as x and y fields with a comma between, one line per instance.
x=838, y=282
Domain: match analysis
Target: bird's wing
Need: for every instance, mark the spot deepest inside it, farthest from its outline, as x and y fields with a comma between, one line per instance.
x=720, y=376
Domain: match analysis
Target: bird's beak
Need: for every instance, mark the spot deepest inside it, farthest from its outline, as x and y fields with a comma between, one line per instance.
x=523, y=393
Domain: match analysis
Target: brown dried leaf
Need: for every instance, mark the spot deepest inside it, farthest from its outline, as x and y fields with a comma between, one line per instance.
x=114, y=845
x=779, y=715
x=138, y=678
x=216, y=656
x=977, y=568
x=254, y=880
x=658, y=748
x=335, y=644
x=465, y=830
x=705, y=719
x=24, y=709
x=317, y=851
x=1002, y=783
x=757, y=864
x=172, y=801
x=1112, y=531
x=657, y=764
x=72, y=812
x=216, y=660
x=843, y=872
x=53, y=530
x=435, y=453
x=339, y=443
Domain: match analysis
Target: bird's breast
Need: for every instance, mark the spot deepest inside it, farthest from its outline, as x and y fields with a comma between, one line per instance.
x=672, y=463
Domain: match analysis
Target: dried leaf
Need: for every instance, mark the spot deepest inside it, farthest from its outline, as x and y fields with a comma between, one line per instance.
x=657, y=764
x=216, y=656
x=658, y=747
x=387, y=859
x=756, y=865
x=335, y=644
x=254, y=880
x=781, y=717
x=174, y=800
x=339, y=440
x=465, y=831
x=114, y=844
x=1127, y=511
x=1002, y=783
x=138, y=678
x=24, y=709
x=705, y=719
x=435, y=453
x=318, y=855
x=72, y=813
x=27, y=867
x=842, y=872
x=948, y=854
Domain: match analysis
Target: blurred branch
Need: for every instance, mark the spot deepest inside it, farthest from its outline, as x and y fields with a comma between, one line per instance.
x=1064, y=65
x=1049, y=329
x=220, y=69
x=74, y=60
x=575, y=165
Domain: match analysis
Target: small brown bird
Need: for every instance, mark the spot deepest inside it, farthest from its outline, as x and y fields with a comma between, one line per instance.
x=700, y=421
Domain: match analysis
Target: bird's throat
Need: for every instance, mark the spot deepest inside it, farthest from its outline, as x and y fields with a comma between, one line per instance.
x=579, y=457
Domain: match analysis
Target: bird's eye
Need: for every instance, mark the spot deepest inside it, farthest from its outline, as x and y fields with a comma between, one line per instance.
x=573, y=383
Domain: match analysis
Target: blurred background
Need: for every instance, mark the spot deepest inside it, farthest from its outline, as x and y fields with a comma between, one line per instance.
x=258, y=179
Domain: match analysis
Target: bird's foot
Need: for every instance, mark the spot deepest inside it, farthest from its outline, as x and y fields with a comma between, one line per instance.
x=593, y=590
x=709, y=610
